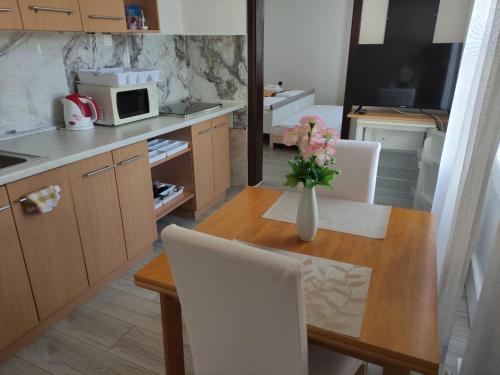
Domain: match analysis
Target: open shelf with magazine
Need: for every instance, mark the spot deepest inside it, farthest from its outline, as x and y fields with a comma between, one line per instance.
x=171, y=163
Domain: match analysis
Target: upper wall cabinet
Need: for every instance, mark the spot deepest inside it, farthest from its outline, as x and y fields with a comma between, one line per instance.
x=103, y=16
x=10, y=18
x=57, y=15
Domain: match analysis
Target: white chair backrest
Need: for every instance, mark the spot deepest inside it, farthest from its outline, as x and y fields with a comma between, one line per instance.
x=243, y=307
x=358, y=162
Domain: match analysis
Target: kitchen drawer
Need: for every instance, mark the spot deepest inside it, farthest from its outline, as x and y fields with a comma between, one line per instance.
x=103, y=16
x=57, y=15
x=395, y=139
x=10, y=18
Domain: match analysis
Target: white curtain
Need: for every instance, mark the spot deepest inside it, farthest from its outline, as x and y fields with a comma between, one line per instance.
x=482, y=355
x=469, y=149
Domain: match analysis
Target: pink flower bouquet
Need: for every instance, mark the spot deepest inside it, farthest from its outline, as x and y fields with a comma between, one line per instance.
x=316, y=145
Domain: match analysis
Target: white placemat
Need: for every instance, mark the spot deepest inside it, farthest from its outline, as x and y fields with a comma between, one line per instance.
x=335, y=292
x=361, y=219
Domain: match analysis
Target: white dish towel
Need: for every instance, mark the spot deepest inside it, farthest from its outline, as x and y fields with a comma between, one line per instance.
x=43, y=200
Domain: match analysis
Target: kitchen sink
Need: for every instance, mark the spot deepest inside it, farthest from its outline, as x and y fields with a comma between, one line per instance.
x=11, y=159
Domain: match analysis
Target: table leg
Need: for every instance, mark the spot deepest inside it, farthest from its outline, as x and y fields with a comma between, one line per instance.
x=173, y=344
x=395, y=371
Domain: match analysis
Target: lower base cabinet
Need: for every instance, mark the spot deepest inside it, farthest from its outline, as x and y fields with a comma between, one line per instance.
x=133, y=179
x=17, y=313
x=50, y=243
x=105, y=217
x=211, y=160
x=95, y=195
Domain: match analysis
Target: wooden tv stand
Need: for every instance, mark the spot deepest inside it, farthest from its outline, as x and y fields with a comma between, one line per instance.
x=395, y=117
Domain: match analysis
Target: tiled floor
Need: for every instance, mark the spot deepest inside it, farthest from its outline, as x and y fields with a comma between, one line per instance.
x=119, y=330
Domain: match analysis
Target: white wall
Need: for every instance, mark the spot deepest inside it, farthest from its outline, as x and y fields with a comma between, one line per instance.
x=451, y=24
x=306, y=45
x=171, y=20
x=214, y=17
x=373, y=21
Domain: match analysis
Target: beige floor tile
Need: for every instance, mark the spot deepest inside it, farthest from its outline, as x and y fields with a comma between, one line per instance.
x=18, y=366
x=128, y=308
x=142, y=348
x=93, y=328
x=63, y=355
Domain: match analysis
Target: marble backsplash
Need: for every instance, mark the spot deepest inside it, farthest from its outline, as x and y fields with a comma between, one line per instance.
x=218, y=69
x=36, y=69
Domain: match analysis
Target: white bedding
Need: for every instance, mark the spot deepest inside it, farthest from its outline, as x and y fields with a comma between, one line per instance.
x=332, y=114
x=289, y=93
x=270, y=100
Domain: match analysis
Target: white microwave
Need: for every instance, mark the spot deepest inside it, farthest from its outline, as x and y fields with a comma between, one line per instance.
x=121, y=105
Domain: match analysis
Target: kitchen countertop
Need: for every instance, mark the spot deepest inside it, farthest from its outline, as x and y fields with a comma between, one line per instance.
x=61, y=147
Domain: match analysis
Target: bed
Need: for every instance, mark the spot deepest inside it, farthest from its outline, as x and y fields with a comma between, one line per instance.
x=285, y=104
x=332, y=114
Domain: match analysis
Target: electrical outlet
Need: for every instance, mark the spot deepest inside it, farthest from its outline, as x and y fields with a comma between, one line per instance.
x=107, y=40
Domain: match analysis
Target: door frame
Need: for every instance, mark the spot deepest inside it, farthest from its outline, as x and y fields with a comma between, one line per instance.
x=255, y=33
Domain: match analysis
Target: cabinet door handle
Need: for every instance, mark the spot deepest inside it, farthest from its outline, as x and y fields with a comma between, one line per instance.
x=98, y=171
x=205, y=131
x=132, y=159
x=6, y=207
x=110, y=18
x=51, y=9
x=6, y=10
x=220, y=125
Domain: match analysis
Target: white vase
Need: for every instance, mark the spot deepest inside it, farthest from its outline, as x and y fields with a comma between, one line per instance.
x=307, y=215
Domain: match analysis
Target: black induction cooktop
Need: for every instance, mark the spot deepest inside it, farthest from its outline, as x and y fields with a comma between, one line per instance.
x=187, y=108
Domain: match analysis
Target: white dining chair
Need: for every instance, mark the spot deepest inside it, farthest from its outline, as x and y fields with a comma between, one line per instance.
x=358, y=163
x=244, y=310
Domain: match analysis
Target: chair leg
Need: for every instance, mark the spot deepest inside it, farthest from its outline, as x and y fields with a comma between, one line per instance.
x=363, y=369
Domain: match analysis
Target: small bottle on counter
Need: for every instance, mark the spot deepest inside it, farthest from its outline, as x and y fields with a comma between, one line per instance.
x=143, y=23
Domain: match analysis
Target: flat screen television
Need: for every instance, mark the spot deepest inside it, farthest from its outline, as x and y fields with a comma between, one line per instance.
x=421, y=76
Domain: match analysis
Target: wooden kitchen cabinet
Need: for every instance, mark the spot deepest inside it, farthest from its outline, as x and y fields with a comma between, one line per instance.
x=133, y=179
x=103, y=16
x=57, y=15
x=211, y=160
x=10, y=17
x=95, y=195
x=220, y=145
x=201, y=135
x=18, y=313
x=50, y=242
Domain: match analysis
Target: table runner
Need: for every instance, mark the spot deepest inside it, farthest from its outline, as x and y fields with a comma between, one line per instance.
x=358, y=218
x=335, y=292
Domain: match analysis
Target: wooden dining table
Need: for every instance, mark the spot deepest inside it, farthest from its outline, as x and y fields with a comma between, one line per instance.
x=399, y=330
